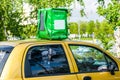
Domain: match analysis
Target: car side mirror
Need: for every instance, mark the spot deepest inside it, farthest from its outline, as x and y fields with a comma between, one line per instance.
x=111, y=68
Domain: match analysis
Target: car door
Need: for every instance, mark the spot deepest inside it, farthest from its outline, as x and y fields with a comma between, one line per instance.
x=93, y=63
x=47, y=62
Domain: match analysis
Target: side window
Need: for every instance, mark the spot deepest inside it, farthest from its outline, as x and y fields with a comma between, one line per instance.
x=46, y=60
x=90, y=59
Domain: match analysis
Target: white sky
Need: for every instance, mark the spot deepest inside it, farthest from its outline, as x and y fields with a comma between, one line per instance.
x=90, y=9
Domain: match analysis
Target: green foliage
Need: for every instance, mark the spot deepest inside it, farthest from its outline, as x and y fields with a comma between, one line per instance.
x=101, y=2
x=2, y=36
x=82, y=13
x=105, y=34
x=97, y=25
x=103, y=31
x=28, y=31
x=83, y=27
x=111, y=12
x=91, y=27
x=73, y=28
x=49, y=3
x=10, y=16
x=87, y=28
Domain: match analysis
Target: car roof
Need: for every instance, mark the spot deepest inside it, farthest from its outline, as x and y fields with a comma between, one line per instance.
x=32, y=41
x=17, y=42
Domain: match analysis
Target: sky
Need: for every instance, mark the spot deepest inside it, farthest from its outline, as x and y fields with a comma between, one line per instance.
x=90, y=10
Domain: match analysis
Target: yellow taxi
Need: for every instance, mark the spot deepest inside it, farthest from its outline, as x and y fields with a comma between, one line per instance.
x=56, y=60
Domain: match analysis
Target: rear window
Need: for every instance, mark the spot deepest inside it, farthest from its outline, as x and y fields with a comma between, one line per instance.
x=4, y=53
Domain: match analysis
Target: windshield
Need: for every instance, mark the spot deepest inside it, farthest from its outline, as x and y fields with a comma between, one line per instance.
x=4, y=53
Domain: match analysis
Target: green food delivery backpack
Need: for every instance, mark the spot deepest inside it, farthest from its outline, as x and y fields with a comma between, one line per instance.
x=52, y=24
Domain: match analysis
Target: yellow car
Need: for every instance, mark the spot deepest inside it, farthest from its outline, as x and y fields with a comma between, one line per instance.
x=56, y=60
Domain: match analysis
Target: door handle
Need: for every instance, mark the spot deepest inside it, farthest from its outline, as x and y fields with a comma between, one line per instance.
x=87, y=78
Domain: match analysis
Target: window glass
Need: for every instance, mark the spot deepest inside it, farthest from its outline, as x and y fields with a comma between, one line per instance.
x=111, y=62
x=5, y=50
x=90, y=59
x=46, y=60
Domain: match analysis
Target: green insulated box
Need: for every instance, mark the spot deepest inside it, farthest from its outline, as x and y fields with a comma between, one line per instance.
x=52, y=24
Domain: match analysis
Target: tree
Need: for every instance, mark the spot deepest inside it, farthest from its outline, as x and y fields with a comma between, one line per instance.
x=2, y=36
x=97, y=25
x=10, y=16
x=73, y=28
x=83, y=27
x=29, y=31
x=105, y=34
x=90, y=28
x=49, y=3
x=40, y=4
x=111, y=12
